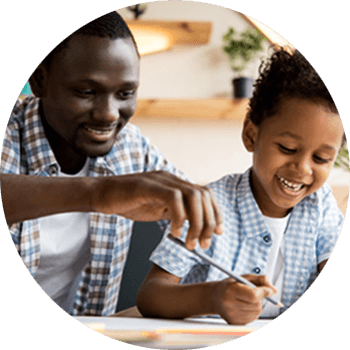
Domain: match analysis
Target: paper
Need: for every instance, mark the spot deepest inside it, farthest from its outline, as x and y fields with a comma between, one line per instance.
x=167, y=334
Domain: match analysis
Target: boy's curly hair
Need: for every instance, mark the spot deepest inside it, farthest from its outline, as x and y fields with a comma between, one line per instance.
x=286, y=75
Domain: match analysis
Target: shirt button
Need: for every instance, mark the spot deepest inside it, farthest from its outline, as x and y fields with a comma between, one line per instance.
x=267, y=238
x=257, y=270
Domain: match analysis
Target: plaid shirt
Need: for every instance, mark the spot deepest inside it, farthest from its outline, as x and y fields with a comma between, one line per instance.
x=27, y=151
x=311, y=234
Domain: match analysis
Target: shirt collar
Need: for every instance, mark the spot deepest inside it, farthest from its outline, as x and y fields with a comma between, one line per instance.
x=39, y=154
x=252, y=217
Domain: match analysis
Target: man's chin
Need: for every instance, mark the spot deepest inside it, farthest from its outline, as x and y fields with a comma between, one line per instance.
x=95, y=151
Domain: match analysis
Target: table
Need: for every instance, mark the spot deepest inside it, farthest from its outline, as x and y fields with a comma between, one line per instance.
x=129, y=326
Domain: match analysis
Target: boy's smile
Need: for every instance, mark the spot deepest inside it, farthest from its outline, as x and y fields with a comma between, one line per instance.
x=290, y=186
x=88, y=96
x=293, y=153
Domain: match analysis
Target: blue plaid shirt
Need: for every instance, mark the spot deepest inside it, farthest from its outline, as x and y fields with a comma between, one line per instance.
x=311, y=234
x=27, y=151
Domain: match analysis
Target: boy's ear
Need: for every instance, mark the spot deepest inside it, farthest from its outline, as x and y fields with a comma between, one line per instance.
x=38, y=81
x=249, y=134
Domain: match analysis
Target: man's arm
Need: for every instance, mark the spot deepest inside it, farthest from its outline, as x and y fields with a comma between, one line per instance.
x=148, y=196
x=28, y=197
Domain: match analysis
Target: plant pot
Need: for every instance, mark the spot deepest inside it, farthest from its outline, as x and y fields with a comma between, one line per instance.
x=242, y=87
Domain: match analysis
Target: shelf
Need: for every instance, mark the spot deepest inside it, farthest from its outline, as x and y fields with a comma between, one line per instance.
x=182, y=32
x=220, y=108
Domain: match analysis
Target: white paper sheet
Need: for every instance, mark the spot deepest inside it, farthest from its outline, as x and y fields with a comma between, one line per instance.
x=151, y=324
x=177, y=338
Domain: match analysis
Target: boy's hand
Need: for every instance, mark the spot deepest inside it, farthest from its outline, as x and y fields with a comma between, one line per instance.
x=240, y=304
x=160, y=195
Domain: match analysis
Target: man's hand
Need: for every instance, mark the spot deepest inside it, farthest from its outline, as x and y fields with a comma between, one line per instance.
x=160, y=195
x=143, y=197
x=240, y=304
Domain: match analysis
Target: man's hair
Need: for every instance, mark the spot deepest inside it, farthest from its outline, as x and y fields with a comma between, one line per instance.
x=286, y=75
x=110, y=25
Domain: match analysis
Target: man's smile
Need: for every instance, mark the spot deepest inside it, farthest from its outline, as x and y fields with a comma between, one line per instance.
x=99, y=133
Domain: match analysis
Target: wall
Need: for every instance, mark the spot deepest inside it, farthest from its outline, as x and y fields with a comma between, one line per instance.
x=184, y=71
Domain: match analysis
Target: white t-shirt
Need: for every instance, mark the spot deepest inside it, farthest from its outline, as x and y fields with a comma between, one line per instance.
x=65, y=251
x=275, y=262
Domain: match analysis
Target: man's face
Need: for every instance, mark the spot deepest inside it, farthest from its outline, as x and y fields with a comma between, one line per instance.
x=89, y=94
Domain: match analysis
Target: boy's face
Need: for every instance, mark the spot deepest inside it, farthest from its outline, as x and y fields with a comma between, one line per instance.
x=293, y=153
x=88, y=94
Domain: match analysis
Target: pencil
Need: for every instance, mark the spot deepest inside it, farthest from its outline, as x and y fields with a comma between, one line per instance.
x=212, y=262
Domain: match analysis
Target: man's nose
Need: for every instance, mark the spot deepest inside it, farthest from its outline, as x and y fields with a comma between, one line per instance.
x=107, y=110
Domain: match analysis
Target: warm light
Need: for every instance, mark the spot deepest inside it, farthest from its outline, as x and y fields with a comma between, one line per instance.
x=151, y=39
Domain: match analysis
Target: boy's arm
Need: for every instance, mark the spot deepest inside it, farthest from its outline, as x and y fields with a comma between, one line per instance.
x=321, y=265
x=161, y=295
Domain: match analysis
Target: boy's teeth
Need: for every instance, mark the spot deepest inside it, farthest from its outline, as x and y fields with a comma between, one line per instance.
x=290, y=185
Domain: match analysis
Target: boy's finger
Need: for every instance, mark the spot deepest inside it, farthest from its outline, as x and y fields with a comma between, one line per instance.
x=260, y=280
x=264, y=292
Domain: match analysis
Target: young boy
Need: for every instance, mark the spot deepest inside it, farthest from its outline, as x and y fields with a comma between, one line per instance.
x=281, y=219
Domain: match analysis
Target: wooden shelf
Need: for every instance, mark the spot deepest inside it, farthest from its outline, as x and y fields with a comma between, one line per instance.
x=182, y=32
x=221, y=108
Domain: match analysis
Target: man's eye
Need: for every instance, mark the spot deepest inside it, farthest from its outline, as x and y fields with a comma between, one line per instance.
x=126, y=94
x=84, y=93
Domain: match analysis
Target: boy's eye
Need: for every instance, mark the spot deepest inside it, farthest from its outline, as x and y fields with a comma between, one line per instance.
x=286, y=149
x=321, y=160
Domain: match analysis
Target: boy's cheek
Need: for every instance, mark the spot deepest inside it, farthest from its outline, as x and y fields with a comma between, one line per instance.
x=319, y=180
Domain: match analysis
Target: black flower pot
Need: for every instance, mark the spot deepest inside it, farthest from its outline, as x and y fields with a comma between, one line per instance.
x=242, y=87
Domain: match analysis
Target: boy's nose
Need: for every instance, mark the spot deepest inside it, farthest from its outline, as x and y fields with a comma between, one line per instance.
x=304, y=166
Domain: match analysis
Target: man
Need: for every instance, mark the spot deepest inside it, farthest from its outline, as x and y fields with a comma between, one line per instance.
x=74, y=173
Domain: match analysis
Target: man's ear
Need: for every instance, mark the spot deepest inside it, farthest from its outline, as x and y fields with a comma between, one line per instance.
x=249, y=134
x=38, y=81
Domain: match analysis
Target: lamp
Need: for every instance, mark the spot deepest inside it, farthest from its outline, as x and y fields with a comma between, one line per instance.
x=155, y=36
x=151, y=39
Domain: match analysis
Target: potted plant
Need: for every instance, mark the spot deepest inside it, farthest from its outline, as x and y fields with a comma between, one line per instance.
x=242, y=49
x=342, y=160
